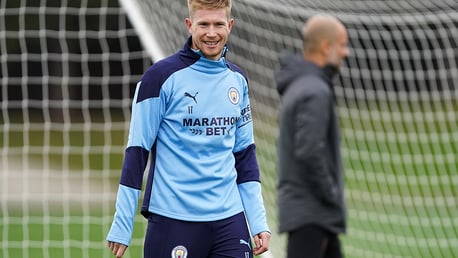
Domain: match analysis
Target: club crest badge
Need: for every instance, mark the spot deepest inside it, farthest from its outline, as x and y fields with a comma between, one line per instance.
x=234, y=95
x=179, y=252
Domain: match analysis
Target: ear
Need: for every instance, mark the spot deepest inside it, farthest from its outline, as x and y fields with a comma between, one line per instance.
x=188, y=23
x=325, y=47
x=230, y=24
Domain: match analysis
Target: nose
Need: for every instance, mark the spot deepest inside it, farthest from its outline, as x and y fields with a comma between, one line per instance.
x=347, y=52
x=211, y=34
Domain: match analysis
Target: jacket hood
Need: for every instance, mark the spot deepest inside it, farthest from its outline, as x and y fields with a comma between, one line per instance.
x=291, y=66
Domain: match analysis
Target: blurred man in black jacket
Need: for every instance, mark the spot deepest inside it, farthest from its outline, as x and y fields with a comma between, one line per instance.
x=311, y=197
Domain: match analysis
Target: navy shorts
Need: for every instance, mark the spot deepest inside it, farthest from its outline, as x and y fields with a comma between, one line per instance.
x=226, y=238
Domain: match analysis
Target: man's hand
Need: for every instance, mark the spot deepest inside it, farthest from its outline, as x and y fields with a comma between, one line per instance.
x=117, y=248
x=262, y=242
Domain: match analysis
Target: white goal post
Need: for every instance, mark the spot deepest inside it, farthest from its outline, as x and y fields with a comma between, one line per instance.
x=142, y=27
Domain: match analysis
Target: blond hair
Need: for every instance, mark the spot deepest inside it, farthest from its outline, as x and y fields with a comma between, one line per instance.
x=209, y=4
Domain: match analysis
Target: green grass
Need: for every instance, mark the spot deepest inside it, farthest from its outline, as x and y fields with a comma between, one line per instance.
x=400, y=180
x=70, y=235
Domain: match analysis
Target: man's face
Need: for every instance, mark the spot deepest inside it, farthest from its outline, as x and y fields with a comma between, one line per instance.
x=339, y=49
x=210, y=30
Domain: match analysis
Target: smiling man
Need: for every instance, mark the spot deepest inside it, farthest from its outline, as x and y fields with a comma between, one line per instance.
x=209, y=28
x=191, y=114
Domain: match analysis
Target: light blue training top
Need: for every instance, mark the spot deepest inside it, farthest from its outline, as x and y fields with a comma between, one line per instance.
x=192, y=115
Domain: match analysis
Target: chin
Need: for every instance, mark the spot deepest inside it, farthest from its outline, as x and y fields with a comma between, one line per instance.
x=211, y=54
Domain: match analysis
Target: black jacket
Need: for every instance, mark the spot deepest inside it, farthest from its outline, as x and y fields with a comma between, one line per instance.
x=310, y=187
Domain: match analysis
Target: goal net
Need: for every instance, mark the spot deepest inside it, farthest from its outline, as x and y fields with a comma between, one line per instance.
x=397, y=101
x=68, y=71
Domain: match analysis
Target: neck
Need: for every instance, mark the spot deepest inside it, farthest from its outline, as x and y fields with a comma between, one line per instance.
x=316, y=59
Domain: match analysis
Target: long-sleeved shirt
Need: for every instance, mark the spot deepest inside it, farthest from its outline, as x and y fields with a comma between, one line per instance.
x=192, y=116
